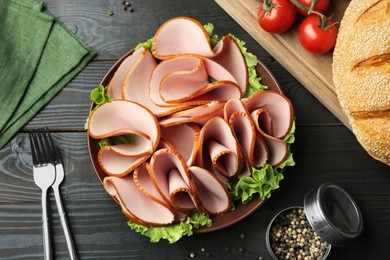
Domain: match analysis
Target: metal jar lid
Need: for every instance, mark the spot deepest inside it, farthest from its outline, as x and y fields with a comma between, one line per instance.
x=333, y=214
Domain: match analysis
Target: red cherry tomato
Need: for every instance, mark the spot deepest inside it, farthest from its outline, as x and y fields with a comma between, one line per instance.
x=320, y=6
x=314, y=38
x=276, y=16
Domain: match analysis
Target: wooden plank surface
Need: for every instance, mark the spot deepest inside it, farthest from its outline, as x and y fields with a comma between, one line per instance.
x=325, y=151
x=313, y=71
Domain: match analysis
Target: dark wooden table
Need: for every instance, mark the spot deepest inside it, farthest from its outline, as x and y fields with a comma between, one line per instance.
x=325, y=151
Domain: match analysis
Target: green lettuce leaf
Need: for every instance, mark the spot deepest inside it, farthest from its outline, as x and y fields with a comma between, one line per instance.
x=147, y=44
x=261, y=182
x=120, y=139
x=288, y=162
x=254, y=83
x=99, y=95
x=174, y=232
x=290, y=137
x=104, y=142
x=214, y=38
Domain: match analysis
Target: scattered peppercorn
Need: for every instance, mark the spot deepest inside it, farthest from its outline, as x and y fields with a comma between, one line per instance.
x=127, y=6
x=291, y=237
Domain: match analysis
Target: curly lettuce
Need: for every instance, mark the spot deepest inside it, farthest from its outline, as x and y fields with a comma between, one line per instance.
x=147, y=44
x=99, y=95
x=114, y=140
x=262, y=182
x=290, y=137
x=214, y=38
x=174, y=232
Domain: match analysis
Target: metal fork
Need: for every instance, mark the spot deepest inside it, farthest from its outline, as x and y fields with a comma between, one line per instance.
x=59, y=168
x=44, y=177
x=45, y=156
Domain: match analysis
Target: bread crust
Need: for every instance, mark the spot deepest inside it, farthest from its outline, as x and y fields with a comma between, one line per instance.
x=361, y=73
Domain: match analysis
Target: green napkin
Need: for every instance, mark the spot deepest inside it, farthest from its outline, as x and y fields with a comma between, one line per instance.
x=38, y=57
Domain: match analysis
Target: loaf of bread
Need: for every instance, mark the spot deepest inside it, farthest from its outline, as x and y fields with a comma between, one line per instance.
x=361, y=74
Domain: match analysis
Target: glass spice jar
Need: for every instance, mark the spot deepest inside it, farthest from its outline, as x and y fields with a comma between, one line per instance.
x=329, y=217
x=290, y=236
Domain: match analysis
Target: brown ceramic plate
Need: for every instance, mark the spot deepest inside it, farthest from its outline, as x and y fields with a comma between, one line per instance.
x=219, y=221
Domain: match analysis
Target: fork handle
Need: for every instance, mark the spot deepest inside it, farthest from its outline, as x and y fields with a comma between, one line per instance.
x=45, y=226
x=65, y=224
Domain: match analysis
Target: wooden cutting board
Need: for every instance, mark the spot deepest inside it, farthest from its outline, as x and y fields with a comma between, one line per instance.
x=313, y=71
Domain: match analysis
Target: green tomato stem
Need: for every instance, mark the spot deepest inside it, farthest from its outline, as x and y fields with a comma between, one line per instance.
x=300, y=6
x=313, y=3
x=267, y=5
x=323, y=20
x=309, y=10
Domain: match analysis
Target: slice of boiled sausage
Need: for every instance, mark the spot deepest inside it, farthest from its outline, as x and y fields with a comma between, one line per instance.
x=171, y=176
x=185, y=139
x=213, y=195
x=279, y=108
x=218, y=148
x=137, y=206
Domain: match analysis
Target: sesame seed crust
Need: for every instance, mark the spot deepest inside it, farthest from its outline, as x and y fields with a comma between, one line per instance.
x=361, y=73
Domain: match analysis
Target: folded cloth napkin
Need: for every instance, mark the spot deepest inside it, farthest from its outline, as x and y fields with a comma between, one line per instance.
x=38, y=57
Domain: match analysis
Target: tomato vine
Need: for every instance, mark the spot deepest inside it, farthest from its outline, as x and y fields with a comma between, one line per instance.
x=317, y=33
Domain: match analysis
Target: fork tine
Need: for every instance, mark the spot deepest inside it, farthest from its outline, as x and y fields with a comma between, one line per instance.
x=37, y=145
x=33, y=145
x=41, y=148
x=46, y=145
x=43, y=151
x=53, y=149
